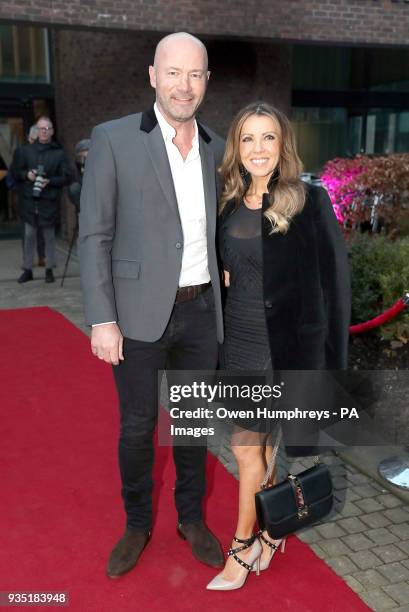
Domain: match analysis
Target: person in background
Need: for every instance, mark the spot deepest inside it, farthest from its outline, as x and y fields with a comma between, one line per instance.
x=42, y=169
x=74, y=189
x=32, y=137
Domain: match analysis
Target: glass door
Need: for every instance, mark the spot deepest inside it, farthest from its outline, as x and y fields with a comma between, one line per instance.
x=11, y=136
x=387, y=131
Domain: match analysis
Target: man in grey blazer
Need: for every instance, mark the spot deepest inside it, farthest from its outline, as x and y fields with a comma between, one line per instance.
x=151, y=281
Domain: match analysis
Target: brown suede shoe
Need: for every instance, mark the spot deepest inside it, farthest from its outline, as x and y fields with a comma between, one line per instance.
x=127, y=552
x=203, y=543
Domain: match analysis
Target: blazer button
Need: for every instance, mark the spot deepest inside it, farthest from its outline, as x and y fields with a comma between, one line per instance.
x=178, y=245
x=268, y=304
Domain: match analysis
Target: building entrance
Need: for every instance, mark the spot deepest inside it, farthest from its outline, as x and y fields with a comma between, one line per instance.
x=11, y=136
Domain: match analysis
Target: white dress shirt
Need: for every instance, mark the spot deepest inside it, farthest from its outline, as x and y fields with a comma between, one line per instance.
x=188, y=182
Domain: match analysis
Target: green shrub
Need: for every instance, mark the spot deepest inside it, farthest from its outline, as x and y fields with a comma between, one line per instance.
x=380, y=276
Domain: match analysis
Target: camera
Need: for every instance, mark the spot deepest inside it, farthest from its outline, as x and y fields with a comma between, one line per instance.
x=80, y=163
x=38, y=183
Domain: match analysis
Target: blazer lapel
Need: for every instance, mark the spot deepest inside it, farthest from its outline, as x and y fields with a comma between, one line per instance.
x=156, y=148
x=209, y=185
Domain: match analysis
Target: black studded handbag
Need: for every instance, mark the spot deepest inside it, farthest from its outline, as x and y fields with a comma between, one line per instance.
x=296, y=502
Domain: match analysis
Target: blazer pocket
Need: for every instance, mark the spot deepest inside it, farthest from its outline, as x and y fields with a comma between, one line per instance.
x=125, y=268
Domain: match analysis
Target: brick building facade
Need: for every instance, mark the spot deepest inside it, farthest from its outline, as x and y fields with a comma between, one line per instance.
x=100, y=51
x=103, y=75
x=353, y=21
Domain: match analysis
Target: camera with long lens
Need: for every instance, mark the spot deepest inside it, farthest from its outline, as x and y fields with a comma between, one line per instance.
x=38, y=183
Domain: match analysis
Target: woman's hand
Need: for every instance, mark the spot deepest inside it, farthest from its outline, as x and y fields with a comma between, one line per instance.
x=226, y=278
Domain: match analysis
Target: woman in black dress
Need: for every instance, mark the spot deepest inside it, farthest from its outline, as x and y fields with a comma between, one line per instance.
x=288, y=294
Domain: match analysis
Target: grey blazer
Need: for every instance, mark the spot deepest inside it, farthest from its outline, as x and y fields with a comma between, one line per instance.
x=130, y=236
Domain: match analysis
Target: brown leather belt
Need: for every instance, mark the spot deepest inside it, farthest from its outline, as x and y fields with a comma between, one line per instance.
x=185, y=294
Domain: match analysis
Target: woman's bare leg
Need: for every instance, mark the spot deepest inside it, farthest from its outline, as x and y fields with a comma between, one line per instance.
x=268, y=451
x=248, y=451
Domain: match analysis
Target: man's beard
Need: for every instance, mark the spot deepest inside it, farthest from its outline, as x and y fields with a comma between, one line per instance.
x=179, y=116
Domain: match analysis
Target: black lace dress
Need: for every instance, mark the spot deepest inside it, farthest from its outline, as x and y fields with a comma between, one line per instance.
x=246, y=344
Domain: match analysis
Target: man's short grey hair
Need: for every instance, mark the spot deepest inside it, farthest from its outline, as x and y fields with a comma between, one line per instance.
x=82, y=145
x=45, y=118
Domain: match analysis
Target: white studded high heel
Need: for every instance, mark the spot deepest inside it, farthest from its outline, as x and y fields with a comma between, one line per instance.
x=264, y=564
x=252, y=561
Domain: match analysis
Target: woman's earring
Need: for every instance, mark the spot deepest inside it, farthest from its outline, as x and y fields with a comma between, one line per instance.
x=273, y=179
x=245, y=175
x=243, y=172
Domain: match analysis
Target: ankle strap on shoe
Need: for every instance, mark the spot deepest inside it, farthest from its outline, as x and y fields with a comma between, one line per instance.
x=248, y=542
x=245, y=544
x=270, y=544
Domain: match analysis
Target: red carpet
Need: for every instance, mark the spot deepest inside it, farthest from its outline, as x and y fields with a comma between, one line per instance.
x=61, y=508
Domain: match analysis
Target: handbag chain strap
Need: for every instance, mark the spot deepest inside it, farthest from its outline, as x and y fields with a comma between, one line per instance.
x=272, y=462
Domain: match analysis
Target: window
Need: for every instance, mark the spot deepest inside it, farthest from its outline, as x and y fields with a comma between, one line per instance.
x=321, y=134
x=348, y=101
x=387, y=131
x=24, y=56
x=319, y=68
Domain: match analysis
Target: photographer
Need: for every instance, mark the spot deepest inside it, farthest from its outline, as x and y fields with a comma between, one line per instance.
x=18, y=187
x=43, y=169
x=74, y=190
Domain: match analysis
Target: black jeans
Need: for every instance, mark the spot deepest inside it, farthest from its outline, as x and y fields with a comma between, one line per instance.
x=188, y=343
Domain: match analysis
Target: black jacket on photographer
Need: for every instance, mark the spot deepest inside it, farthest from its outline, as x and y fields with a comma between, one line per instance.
x=42, y=211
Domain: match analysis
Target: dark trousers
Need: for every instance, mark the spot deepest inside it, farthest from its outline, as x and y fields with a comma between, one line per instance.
x=40, y=240
x=188, y=343
x=40, y=243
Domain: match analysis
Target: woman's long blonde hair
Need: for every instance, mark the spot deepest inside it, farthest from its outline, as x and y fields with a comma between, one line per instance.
x=287, y=193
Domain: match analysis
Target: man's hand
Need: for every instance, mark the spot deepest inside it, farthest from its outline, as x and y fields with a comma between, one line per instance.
x=107, y=343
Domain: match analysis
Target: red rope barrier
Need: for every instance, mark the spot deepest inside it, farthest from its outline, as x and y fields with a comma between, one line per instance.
x=386, y=316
